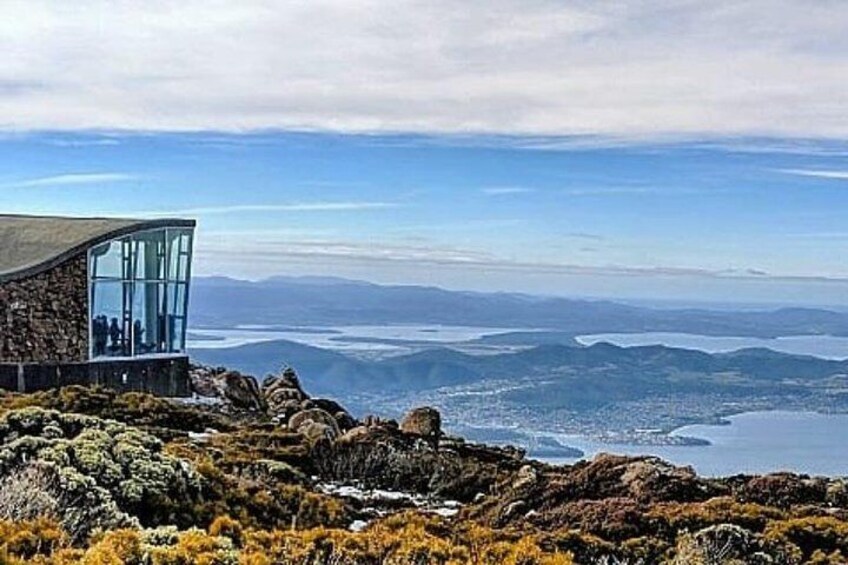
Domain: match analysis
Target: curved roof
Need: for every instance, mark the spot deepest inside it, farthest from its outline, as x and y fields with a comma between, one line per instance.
x=31, y=244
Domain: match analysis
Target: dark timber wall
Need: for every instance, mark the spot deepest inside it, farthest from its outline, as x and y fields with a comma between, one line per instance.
x=44, y=317
x=160, y=376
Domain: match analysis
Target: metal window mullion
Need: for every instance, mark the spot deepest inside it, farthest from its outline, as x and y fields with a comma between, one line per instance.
x=189, y=251
x=129, y=291
x=167, y=276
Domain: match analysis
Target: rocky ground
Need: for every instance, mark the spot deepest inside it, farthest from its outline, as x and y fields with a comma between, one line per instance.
x=265, y=473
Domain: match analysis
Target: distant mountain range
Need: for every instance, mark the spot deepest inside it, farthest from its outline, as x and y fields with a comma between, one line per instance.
x=549, y=376
x=224, y=302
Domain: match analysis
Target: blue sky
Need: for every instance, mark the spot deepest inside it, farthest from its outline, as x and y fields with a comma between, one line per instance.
x=668, y=150
x=751, y=220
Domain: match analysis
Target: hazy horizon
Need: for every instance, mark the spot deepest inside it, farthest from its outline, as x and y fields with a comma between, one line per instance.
x=641, y=301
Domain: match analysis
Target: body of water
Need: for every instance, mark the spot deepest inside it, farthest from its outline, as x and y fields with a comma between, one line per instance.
x=354, y=340
x=754, y=442
x=828, y=347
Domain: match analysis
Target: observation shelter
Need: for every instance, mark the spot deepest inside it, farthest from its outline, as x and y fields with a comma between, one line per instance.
x=94, y=301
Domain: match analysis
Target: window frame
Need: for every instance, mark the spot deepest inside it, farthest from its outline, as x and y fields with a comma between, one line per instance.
x=128, y=279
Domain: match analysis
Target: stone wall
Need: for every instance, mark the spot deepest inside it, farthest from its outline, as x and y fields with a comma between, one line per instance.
x=163, y=376
x=44, y=318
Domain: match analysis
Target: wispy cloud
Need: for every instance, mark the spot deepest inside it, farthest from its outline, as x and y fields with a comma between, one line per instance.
x=610, y=190
x=293, y=207
x=273, y=251
x=82, y=142
x=585, y=235
x=74, y=179
x=817, y=173
x=504, y=190
x=426, y=67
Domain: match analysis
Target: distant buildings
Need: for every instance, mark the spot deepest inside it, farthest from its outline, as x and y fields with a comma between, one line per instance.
x=92, y=300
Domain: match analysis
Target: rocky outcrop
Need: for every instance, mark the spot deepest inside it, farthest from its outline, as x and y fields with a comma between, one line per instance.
x=315, y=424
x=280, y=398
x=380, y=454
x=241, y=391
x=784, y=490
x=289, y=404
x=724, y=543
x=607, y=493
x=424, y=422
x=283, y=394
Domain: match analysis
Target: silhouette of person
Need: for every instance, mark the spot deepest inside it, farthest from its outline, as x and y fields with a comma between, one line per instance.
x=138, y=336
x=100, y=331
x=116, y=336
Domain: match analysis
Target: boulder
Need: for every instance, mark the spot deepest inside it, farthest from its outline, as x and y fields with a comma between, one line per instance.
x=722, y=543
x=241, y=391
x=646, y=479
x=514, y=509
x=345, y=420
x=283, y=394
x=303, y=422
x=526, y=477
x=354, y=435
x=202, y=380
x=316, y=431
x=424, y=422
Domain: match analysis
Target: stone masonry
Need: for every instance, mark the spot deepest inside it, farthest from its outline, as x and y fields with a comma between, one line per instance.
x=44, y=318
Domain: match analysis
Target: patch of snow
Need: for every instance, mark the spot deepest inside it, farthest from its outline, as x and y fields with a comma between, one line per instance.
x=357, y=525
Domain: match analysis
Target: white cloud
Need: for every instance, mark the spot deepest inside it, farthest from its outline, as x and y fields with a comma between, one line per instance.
x=504, y=190
x=270, y=252
x=538, y=67
x=74, y=179
x=294, y=207
x=822, y=174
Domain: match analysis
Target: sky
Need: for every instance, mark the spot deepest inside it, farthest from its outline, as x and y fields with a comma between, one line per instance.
x=662, y=150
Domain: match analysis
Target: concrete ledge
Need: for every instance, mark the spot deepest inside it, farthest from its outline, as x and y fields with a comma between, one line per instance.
x=160, y=376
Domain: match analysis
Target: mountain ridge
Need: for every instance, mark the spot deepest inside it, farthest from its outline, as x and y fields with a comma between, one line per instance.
x=328, y=301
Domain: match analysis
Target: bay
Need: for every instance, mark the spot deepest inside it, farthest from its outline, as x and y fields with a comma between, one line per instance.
x=753, y=442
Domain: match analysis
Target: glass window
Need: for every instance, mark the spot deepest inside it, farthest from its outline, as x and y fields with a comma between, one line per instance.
x=149, y=255
x=176, y=319
x=148, y=326
x=109, y=325
x=139, y=292
x=107, y=260
x=179, y=254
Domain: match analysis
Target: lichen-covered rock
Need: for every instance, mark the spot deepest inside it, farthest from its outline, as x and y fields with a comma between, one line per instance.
x=241, y=391
x=343, y=418
x=605, y=495
x=315, y=424
x=526, y=477
x=836, y=493
x=723, y=544
x=317, y=431
x=283, y=394
x=424, y=422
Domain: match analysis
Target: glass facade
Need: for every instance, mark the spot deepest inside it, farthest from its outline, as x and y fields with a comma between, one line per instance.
x=138, y=287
